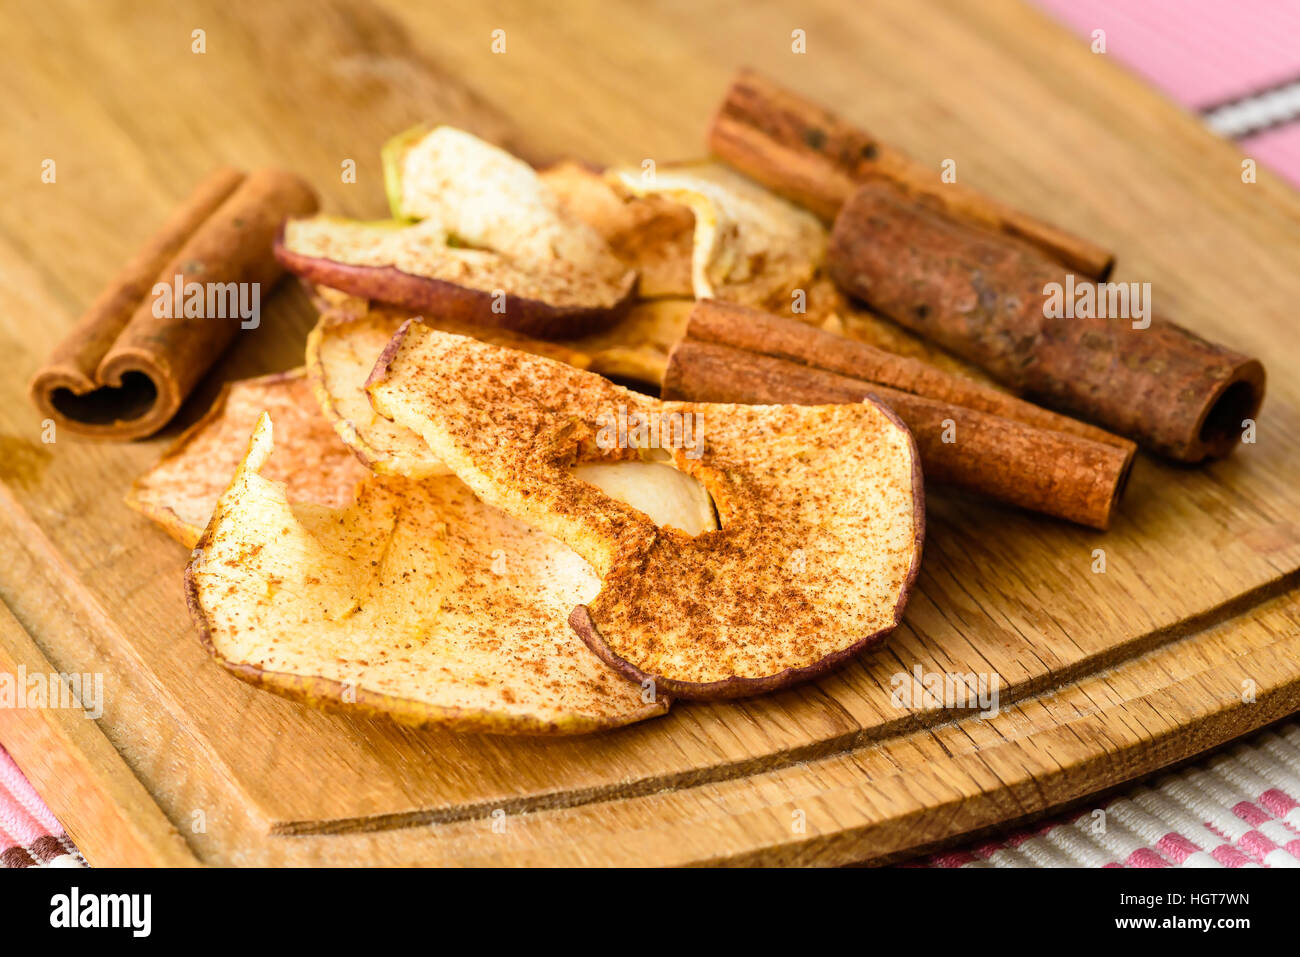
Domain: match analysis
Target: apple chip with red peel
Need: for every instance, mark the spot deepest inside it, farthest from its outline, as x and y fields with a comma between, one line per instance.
x=417, y=601
x=820, y=510
x=180, y=491
x=490, y=246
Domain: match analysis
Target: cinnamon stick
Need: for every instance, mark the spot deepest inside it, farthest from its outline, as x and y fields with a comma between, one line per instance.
x=984, y=297
x=1061, y=474
x=757, y=331
x=816, y=159
x=126, y=366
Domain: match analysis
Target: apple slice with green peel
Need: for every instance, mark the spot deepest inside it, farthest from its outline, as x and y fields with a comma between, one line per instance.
x=391, y=155
x=820, y=511
x=488, y=245
x=484, y=198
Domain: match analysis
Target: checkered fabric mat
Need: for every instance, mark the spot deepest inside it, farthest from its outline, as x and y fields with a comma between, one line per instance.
x=1237, y=63
x=29, y=834
x=1237, y=809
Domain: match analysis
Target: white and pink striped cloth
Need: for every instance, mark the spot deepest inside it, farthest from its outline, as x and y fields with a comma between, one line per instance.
x=30, y=836
x=1237, y=62
x=1238, y=809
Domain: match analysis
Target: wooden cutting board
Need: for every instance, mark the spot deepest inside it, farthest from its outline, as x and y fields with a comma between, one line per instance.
x=1190, y=637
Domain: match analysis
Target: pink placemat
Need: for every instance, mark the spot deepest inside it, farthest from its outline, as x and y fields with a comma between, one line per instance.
x=1200, y=52
x=30, y=836
x=1236, y=809
x=1238, y=63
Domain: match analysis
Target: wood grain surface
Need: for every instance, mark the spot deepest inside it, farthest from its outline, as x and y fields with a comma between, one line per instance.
x=1189, y=638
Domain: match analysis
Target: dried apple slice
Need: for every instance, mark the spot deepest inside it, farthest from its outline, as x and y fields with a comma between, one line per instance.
x=820, y=508
x=651, y=234
x=750, y=246
x=669, y=498
x=418, y=602
x=341, y=351
x=490, y=245
x=754, y=248
x=180, y=491
x=391, y=157
x=636, y=347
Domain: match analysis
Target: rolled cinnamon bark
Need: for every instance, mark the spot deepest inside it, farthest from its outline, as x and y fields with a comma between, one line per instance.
x=133, y=357
x=814, y=158
x=756, y=331
x=1055, y=473
x=984, y=296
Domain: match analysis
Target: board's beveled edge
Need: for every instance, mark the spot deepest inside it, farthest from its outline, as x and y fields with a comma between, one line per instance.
x=1043, y=785
x=105, y=809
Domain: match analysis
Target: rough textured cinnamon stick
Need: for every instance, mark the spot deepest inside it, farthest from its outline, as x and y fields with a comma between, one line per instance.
x=812, y=157
x=983, y=297
x=757, y=331
x=1056, y=473
x=123, y=370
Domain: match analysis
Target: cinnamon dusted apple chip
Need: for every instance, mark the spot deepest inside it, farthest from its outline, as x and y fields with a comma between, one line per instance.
x=750, y=246
x=180, y=491
x=820, y=510
x=341, y=351
x=489, y=245
x=418, y=602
